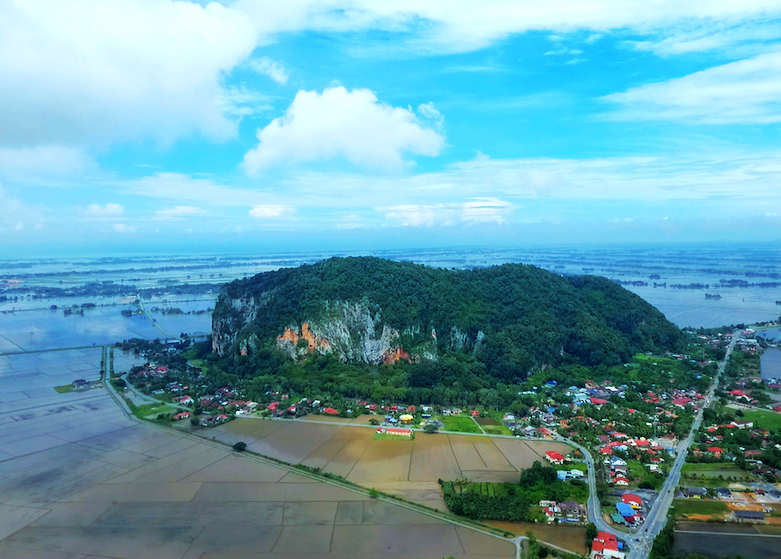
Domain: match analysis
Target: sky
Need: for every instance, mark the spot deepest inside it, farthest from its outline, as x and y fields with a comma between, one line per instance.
x=154, y=124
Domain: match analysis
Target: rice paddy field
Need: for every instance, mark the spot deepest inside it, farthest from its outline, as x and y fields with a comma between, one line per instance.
x=80, y=479
x=407, y=468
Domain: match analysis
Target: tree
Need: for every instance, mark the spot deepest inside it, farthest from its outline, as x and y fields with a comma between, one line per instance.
x=431, y=427
x=591, y=533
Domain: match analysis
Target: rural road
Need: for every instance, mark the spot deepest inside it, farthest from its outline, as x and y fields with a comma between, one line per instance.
x=656, y=519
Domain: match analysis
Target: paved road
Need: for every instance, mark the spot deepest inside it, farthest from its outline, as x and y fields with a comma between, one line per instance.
x=657, y=517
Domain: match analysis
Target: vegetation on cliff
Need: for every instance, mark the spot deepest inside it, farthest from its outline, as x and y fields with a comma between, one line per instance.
x=529, y=317
x=487, y=329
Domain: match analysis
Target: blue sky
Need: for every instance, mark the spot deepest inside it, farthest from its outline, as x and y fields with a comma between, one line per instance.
x=147, y=124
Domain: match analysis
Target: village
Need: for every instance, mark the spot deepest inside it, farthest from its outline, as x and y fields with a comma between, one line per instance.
x=631, y=418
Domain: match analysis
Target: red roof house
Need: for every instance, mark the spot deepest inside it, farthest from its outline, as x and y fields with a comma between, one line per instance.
x=554, y=457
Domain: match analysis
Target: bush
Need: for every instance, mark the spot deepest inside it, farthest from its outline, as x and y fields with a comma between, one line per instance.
x=430, y=428
x=240, y=446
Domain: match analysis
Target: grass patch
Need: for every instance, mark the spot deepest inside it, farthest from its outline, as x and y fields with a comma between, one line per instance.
x=711, y=468
x=496, y=430
x=686, y=507
x=64, y=389
x=459, y=423
x=764, y=419
x=715, y=474
x=151, y=411
x=638, y=473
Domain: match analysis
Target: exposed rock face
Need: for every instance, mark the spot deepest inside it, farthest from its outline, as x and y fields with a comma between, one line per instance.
x=351, y=331
x=389, y=358
x=226, y=326
x=348, y=330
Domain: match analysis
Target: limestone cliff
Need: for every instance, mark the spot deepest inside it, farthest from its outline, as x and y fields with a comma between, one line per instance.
x=512, y=318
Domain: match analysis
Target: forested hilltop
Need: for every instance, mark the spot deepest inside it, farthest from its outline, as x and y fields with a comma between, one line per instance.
x=432, y=326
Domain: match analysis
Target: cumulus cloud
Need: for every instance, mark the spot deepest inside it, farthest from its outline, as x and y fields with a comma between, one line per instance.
x=106, y=210
x=747, y=91
x=341, y=123
x=270, y=68
x=92, y=71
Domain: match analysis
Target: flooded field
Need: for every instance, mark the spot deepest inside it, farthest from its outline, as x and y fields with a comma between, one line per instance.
x=79, y=479
x=744, y=281
x=406, y=468
x=770, y=363
x=723, y=540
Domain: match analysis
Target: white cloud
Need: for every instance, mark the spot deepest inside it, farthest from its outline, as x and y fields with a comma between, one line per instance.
x=446, y=26
x=269, y=211
x=179, y=212
x=107, y=210
x=477, y=210
x=271, y=68
x=429, y=112
x=485, y=210
x=736, y=40
x=99, y=71
x=28, y=164
x=342, y=123
x=239, y=101
x=564, y=51
x=747, y=91
x=123, y=228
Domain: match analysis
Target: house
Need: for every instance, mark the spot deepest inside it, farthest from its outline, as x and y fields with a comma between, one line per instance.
x=751, y=516
x=597, y=401
x=635, y=501
x=625, y=509
x=694, y=492
x=554, y=457
x=181, y=415
x=550, y=509
x=566, y=475
x=395, y=431
x=616, y=464
x=606, y=546
x=184, y=400
x=572, y=511
x=330, y=411
x=723, y=493
x=621, y=481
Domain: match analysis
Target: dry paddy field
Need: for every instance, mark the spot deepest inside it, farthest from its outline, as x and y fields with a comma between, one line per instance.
x=406, y=468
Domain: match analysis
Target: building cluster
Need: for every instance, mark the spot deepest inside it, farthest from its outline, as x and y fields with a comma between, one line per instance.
x=607, y=546
x=563, y=512
x=629, y=510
